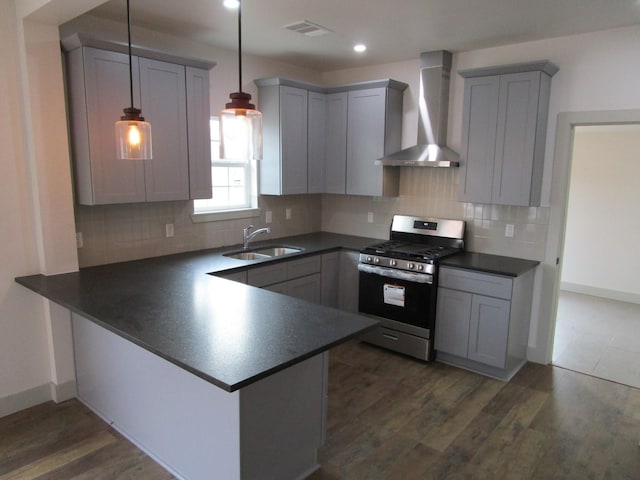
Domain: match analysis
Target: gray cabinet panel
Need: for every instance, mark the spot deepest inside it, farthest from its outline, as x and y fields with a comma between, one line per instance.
x=198, y=117
x=305, y=288
x=316, y=142
x=348, y=295
x=267, y=275
x=478, y=138
x=293, y=108
x=503, y=134
x=452, y=321
x=489, y=330
x=330, y=274
x=516, y=135
x=304, y=266
x=336, y=143
x=164, y=105
x=98, y=90
x=365, y=141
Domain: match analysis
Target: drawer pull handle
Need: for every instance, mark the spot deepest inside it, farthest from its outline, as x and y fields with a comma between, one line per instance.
x=390, y=337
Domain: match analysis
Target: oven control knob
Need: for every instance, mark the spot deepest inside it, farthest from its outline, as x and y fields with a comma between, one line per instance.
x=376, y=260
x=411, y=266
x=420, y=268
x=369, y=259
x=393, y=263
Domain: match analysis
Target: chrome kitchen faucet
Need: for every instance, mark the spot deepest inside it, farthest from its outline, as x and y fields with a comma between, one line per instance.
x=246, y=236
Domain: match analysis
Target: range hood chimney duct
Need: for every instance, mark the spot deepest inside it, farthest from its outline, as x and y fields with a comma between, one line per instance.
x=433, y=115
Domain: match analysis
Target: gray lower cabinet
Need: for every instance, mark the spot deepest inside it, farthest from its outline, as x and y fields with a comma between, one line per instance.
x=482, y=321
x=504, y=127
x=329, y=289
x=174, y=98
x=298, y=278
x=348, y=281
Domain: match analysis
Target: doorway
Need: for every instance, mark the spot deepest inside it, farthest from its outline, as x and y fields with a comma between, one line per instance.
x=597, y=328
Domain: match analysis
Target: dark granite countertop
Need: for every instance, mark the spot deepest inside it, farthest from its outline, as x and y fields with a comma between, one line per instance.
x=496, y=264
x=225, y=332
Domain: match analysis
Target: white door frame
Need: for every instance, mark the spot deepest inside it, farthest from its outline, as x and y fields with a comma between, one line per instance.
x=559, y=199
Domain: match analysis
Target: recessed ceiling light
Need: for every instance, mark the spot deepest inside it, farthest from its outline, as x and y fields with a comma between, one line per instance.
x=232, y=3
x=360, y=47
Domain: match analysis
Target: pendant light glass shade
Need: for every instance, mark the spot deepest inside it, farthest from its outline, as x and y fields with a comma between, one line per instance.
x=240, y=129
x=240, y=122
x=133, y=134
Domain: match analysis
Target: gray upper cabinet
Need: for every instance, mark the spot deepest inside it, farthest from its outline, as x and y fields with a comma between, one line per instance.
x=198, y=131
x=503, y=133
x=374, y=129
x=283, y=168
x=329, y=140
x=174, y=99
x=335, y=166
x=316, y=142
x=164, y=105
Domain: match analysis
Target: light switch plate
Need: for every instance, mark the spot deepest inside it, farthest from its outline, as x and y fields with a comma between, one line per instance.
x=268, y=216
x=370, y=217
x=508, y=230
x=287, y=213
x=168, y=230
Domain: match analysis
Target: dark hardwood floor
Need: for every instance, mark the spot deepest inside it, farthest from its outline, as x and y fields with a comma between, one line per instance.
x=390, y=417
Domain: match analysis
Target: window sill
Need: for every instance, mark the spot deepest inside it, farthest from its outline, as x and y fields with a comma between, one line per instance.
x=226, y=215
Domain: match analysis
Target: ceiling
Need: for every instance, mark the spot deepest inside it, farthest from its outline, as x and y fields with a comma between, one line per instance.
x=394, y=30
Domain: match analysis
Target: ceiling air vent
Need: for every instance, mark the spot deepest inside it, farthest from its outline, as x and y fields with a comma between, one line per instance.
x=310, y=29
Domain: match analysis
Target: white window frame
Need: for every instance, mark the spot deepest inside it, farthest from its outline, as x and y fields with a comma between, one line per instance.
x=203, y=211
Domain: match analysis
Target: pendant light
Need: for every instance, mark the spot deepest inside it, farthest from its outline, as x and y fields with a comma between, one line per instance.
x=240, y=122
x=133, y=134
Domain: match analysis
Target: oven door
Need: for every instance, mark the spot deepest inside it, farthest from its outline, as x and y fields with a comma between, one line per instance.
x=405, y=297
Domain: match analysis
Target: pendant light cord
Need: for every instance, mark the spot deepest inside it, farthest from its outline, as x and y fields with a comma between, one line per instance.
x=239, y=45
x=130, y=65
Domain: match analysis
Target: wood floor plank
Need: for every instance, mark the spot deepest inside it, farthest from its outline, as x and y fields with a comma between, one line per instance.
x=390, y=417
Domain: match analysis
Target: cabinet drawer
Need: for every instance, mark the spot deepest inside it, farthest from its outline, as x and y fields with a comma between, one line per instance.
x=475, y=282
x=267, y=275
x=303, y=266
x=234, y=276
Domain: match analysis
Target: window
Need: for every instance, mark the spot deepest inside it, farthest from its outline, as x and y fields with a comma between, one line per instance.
x=234, y=186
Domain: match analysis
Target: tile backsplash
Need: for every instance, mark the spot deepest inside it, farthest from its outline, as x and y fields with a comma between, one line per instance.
x=117, y=233
x=433, y=192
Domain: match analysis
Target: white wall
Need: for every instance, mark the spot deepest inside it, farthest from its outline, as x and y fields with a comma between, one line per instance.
x=603, y=225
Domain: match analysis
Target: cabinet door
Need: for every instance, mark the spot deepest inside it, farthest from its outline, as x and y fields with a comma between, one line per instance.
x=489, y=330
x=199, y=132
x=516, y=137
x=335, y=174
x=480, y=120
x=330, y=275
x=365, y=141
x=98, y=92
x=305, y=288
x=164, y=105
x=452, y=321
x=349, y=282
x=293, y=131
x=316, y=142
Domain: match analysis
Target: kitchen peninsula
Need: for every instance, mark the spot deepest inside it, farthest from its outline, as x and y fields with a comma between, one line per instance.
x=212, y=378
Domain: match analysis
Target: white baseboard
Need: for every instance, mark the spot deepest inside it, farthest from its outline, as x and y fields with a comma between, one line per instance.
x=37, y=395
x=600, y=292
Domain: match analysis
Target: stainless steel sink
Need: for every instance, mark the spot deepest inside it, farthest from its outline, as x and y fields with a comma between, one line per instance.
x=277, y=251
x=263, y=253
x=246, y=255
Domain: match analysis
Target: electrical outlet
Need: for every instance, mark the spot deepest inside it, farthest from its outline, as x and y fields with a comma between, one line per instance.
x=287, y=213
x=79, y=240
x=370, y=217
x=508, y=230
x=168, y=230
x=268, y=216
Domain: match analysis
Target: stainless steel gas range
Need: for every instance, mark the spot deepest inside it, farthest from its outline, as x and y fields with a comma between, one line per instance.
x=399, y=282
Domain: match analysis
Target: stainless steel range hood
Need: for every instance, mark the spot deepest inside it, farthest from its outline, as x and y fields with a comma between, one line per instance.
x=433, y=114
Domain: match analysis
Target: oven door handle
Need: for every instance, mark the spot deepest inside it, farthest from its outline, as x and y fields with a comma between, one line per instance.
x=397, y=274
